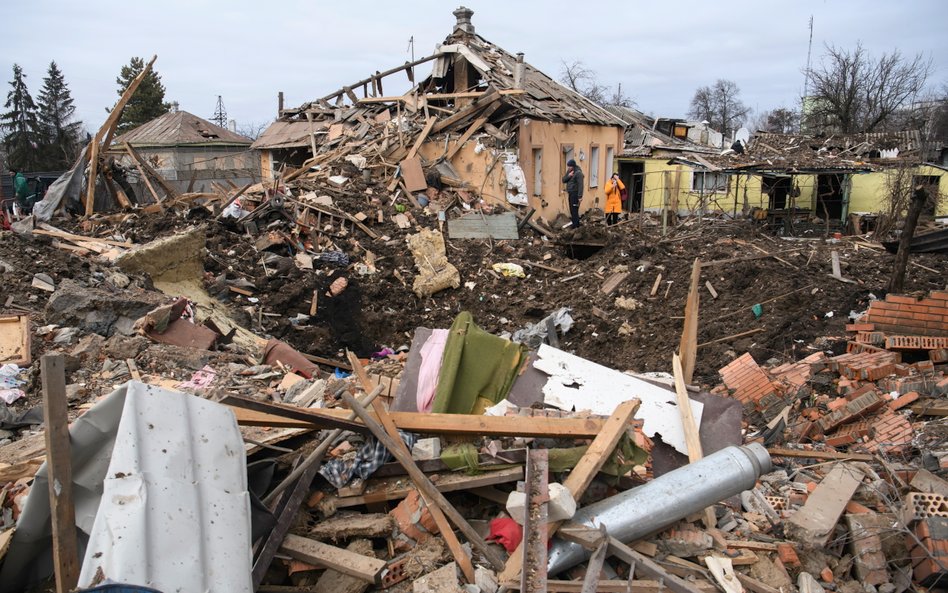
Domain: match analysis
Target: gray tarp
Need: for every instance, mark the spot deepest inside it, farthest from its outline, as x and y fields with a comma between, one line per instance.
x=68, y=186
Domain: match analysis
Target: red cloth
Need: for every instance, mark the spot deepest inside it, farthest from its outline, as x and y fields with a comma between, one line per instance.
x=506, y=532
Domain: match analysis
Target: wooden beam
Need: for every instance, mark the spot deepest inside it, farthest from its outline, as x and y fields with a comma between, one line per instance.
x=422, y=136
x=692, y=435
x=756, y=586
x=437, y=503
x=688, y=346
x=396, y=488
x=269, y=414
x=822, y=455
x=404, y=66
x=439, y=96
x=82, y=238
x=104, y=135
x=474, y=127
x=339, y=559
x=169, y=191
x=479, y=104
x=59, y=473
x=582, y=475
x=439, y=507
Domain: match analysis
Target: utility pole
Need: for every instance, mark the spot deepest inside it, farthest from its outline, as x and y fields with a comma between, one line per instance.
x=220, y=114
x=806, y=77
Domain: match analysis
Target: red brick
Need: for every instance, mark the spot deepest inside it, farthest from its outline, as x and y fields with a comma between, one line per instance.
x=938, y=294
x=859, y=327
x=926, y=367
x=841, y=440
x=903, y=401
x=897, y=298
x=827, y=575
x=788, y=555
x=837, y=403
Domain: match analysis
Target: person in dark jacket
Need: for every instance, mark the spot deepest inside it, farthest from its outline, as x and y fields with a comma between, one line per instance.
x=340, y=306
x=574, y=190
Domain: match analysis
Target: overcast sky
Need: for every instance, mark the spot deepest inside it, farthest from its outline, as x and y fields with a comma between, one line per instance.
x=247, y=51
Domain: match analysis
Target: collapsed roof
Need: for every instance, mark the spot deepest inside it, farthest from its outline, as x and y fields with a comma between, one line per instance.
x=526, y=91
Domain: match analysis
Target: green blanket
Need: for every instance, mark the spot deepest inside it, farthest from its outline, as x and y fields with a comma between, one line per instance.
x=476, y=365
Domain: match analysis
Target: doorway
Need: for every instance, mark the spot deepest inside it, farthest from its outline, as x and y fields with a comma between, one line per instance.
x=632, y=175
x=831, y=196
x=778, y=188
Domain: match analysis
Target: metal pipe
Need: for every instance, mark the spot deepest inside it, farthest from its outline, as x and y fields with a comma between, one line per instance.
x=635, y=513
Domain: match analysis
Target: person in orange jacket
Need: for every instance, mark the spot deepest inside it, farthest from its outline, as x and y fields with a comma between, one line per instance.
x=614, y=189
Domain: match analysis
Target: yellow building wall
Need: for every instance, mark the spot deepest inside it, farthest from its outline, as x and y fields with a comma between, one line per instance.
x=866, y=195
x=483, y=172
x=551, y=138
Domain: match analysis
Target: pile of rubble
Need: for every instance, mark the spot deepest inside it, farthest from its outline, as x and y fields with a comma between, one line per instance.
x=459, y=471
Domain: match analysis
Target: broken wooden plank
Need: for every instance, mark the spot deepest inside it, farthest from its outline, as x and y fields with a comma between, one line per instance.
x=692, y=437
x=332, y=581
x=346, y=526
x=688, y=346
x=81, y=238
x=582, y=475
x=471, y=130
x=169, y=191
x=478, y=226
x=658, y=281
x=413, y=175
x=438, y=506
x=925, y=481
x=269, y=414
x=613, y=282
x=326, y=556
x=815, y=522
x=714, y=293
x=824, y=455
x=59, y=473
x=755, y=585
x=15, y=340
x=482, y=102
x=535, y=537
x=422, y=136
x=395, y=487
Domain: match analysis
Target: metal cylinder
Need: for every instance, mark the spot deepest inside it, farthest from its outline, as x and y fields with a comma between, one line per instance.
x=640, y=511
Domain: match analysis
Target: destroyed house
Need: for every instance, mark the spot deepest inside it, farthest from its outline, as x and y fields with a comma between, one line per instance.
x=643, y=163
x=787, y=175
x=484, y=122
x=190, y=153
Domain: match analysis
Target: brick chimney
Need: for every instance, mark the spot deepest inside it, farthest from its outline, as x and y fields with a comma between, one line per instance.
x=463, y=15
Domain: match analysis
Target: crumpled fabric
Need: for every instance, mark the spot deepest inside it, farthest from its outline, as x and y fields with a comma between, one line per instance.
x=371, y=456
x=430, y=369
x=506, y=532
x=533, y=335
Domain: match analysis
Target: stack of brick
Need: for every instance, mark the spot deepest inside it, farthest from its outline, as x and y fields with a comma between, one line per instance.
x=926, y=515
x=905, y=315
x=747, y=381
x=791, y=378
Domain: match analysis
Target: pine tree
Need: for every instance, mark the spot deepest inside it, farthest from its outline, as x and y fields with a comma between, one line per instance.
x=61, y=136
x=147, y=103
x=20, y=124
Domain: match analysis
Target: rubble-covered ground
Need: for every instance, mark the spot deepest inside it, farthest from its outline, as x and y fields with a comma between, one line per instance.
x=636, y=326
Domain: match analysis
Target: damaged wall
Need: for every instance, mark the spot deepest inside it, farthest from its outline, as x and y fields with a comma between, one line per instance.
x=205, y=163
x=552, y=139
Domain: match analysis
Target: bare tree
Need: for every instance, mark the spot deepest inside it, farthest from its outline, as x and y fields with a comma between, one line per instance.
x=584, y=81
x=581, y=79
x=781, y=120
x=853, y=92
x=253, y=129
x=620, y=99
x=720, y=105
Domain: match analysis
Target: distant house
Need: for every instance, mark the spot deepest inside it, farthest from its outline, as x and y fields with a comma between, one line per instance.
x=523, y=127
x=831, y=177
x=644, y=167
x=191, y=152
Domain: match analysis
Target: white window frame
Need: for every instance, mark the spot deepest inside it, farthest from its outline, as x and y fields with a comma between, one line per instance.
x=593, y=166
x=719, y=182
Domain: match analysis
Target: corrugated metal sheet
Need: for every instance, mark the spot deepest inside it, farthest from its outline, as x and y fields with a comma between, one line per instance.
x=159, y=485
x=178, y=128
x=175, y=511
